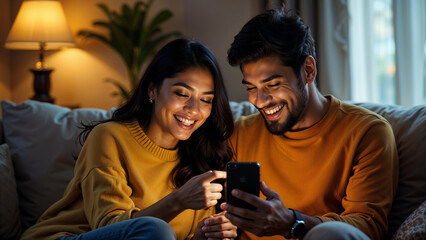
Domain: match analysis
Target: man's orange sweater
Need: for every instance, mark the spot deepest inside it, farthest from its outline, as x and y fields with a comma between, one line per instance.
x=343, y=168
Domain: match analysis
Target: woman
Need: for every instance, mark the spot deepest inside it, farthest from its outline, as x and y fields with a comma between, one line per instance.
x=152, y=162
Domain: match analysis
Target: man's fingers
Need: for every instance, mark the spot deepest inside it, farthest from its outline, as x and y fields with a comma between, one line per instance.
x=269, y=194
x=241, y=212
x=240, y=222
x=249, y=198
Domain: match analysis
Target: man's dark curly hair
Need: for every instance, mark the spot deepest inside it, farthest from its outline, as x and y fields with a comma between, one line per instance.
x=273, y=33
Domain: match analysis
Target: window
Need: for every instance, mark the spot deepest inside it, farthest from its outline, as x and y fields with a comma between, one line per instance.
x=387, y=51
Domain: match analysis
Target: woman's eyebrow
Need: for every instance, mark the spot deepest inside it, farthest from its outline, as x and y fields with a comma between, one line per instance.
x=190, y=88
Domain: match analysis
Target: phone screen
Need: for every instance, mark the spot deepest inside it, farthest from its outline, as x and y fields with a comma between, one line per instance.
x=244, y=176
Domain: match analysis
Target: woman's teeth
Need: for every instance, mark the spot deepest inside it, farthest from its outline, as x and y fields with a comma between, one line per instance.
x=185, y=122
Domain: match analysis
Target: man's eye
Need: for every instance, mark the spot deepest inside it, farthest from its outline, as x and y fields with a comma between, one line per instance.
x=250, y=88
x=273, y=85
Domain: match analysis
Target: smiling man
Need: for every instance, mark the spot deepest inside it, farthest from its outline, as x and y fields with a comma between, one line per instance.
x=323, y=162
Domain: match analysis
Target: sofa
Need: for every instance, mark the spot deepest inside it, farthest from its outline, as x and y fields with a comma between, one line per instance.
x=39, y=145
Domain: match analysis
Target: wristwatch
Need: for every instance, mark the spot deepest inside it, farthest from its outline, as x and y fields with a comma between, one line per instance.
x=299, y=228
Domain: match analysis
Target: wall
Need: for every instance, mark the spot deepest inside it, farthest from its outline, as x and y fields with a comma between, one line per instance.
x=5, y=85
x=80, y=72
x=216, y=23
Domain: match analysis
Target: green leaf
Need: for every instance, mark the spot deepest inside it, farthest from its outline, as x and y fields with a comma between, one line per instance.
x=149, y=48
x=132, y=37
x=123, y=92
x=89, y=34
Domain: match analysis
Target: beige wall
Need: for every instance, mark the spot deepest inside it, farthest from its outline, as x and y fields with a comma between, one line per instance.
x=216, y=23
x=80, y=72
x=5, y=85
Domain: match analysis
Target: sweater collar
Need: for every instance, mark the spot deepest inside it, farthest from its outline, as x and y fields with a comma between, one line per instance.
x=140, y=136
x=318, y=127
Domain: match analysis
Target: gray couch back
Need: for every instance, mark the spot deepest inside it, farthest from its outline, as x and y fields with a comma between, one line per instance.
x=1, y=131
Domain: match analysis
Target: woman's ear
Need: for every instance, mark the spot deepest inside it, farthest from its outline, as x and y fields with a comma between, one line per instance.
x=151, y=91
x=309, y=69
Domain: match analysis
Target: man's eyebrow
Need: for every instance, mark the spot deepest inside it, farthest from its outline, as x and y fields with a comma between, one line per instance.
x=190, y=88
x=264, y=80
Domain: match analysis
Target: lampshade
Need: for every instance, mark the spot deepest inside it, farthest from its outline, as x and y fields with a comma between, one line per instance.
x=40, y=25
x=40, y=22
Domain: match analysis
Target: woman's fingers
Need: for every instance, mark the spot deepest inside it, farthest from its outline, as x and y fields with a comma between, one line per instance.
x=210, y=176
x=199, y=192
x=218, y=226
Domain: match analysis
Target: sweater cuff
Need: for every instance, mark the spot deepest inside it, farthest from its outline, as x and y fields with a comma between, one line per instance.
x=326, y=219
x=124, y=216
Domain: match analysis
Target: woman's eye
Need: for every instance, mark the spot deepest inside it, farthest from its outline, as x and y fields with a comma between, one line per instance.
x=209, y=101
x=181, y=94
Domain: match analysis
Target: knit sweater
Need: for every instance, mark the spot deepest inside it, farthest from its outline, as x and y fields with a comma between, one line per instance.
x=119, y=171
x=343, y=168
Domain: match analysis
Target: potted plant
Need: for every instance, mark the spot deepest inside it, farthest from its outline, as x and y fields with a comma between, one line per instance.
x=132, y=36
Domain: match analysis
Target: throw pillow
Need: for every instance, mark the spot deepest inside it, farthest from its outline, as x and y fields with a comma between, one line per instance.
x=10, y=226
x=43, y=144
x=414, y=227
x=243, y=108
x=408, y=126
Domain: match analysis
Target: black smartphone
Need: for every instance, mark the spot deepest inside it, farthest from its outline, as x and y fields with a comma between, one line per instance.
x=244, y=176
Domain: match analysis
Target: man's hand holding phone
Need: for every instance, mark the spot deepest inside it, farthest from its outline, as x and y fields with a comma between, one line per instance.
x=269, y=218
x=244, y=176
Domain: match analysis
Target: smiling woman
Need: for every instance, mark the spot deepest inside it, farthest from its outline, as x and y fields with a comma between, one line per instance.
x=156, y=157
x=182, y=105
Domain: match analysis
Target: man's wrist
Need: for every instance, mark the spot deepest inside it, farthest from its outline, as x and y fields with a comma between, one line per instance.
x=288, y=228
x=298, y=228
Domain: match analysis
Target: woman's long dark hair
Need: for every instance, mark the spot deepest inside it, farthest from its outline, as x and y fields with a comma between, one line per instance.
x=207, y=147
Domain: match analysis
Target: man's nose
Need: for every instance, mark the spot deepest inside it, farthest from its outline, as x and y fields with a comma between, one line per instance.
x=263, y=99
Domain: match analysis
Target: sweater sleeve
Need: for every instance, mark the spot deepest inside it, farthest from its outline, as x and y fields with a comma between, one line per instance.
x=372, y=186
x=107, y=199
x=105, y=189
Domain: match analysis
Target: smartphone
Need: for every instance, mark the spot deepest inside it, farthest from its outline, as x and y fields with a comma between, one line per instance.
x=244, y=176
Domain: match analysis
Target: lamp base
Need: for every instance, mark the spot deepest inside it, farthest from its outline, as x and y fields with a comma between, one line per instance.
x=42, y=85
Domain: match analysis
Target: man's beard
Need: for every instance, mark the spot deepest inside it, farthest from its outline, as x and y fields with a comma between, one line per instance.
x=277, y=128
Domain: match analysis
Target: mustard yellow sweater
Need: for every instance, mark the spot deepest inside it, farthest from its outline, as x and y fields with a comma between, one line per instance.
x=344, y=168
x=119, y=171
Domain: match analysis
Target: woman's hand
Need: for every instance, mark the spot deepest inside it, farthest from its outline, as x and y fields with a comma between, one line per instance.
x=215, y=227
x=199, y=192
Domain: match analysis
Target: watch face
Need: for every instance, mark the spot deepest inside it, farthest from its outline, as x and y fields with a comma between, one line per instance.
x=298, y=229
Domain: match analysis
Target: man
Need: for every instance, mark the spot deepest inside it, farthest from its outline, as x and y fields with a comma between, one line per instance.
x=328, y=168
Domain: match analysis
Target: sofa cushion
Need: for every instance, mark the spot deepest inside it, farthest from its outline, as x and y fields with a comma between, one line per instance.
x=409, y=127
x=1, y=131
x=10, y=226
x=243, y=108
x=414, y=227
x=43, y=144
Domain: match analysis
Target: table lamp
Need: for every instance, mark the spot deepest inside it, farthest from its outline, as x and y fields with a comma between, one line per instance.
x=40, y=25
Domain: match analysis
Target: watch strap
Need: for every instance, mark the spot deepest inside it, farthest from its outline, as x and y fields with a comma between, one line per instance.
x=298, y=229
x=297, y=214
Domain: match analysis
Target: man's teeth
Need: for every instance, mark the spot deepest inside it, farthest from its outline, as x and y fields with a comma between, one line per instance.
x=274, y=110
x=185, y=121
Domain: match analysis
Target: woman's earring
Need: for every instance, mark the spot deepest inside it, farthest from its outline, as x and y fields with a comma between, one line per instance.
x=150, y=100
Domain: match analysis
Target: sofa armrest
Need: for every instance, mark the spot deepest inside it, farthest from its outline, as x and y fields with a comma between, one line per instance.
x=1, y=131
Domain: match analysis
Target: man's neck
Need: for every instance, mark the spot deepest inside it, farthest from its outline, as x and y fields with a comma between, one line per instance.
x=316, y=108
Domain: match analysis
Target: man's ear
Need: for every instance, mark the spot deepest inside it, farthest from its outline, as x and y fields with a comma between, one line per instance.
x=309, y=69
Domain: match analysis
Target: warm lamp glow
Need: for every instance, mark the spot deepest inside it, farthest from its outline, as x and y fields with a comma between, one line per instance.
x=40, y=25
x=40, y=22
